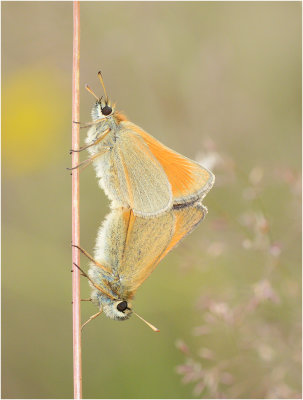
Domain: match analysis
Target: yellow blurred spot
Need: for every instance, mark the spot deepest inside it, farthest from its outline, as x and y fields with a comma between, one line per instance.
x=32, y=118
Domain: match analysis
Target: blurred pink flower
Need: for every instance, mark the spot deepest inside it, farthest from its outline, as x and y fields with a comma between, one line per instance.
x=263, y=291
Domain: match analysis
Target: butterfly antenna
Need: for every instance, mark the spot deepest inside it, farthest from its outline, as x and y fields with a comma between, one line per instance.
x=148, y=323
x=91, y=92
x=102, y=83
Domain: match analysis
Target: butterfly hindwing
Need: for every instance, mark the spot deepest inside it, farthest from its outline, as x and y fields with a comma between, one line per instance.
x=142, y=180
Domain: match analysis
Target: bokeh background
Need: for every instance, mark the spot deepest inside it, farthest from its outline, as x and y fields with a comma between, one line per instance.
x=217, y=81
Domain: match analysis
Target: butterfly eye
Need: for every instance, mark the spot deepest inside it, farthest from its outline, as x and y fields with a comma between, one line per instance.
x=106, y=110
x=122, y=306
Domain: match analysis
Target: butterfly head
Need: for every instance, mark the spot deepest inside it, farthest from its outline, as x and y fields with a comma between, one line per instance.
x=117, y=309
x=102, y=109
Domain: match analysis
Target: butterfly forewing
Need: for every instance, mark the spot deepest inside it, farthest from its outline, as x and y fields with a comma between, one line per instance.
x=187, y=218
x=189, y=180
x=163, y=234
x=144, y=243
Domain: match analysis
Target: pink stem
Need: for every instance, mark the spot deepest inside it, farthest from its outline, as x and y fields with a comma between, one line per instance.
x=75, y=206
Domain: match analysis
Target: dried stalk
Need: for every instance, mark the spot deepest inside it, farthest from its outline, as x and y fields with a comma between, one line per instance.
x=77, y=366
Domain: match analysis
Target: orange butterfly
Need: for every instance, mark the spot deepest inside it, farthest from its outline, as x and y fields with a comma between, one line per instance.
x=128, y=248
x=137, y=171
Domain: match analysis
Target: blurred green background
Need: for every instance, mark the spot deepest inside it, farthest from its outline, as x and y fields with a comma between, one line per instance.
x=219, y=82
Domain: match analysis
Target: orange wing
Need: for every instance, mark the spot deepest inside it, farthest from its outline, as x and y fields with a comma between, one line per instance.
x=142, y=182
x=187, y=219
x=189, y=180
x=168, y=231
x=144, y=241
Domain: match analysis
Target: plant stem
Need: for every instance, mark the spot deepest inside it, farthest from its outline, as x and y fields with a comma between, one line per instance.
x=75, y=206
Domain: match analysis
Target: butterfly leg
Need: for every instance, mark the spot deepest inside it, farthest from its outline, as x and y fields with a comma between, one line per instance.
x=84, y=300
x=90, y=160
x=95, y=141
x=88, y=124
x=91, y=258
x=91, y=318
x=92, y=282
